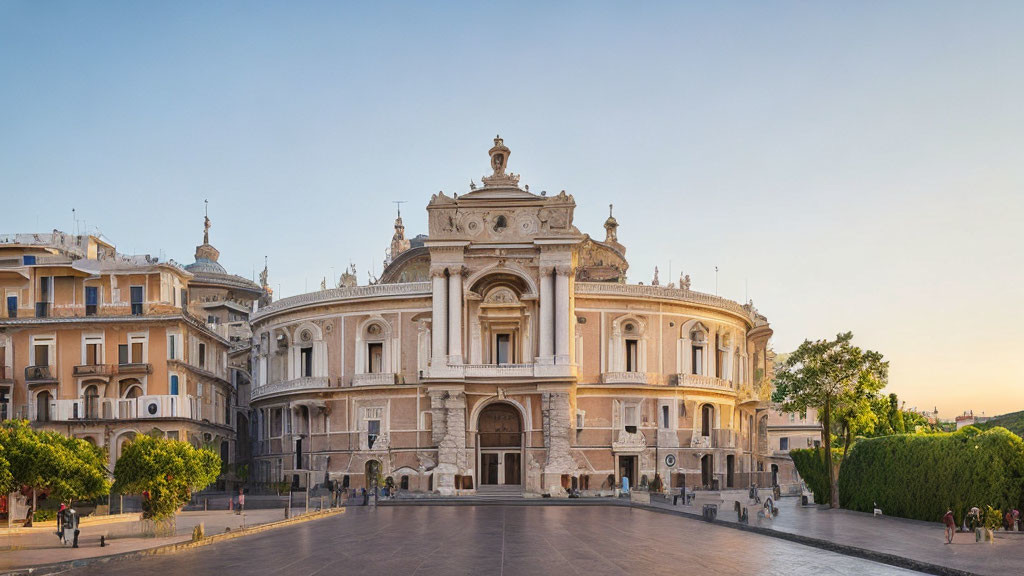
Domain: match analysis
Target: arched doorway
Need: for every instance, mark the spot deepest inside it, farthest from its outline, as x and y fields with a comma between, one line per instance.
x=43, y=406
x=499, y=445
x=372, y=474
x=775, y=474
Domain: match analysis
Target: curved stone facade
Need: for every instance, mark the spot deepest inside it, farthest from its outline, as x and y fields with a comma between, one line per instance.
x=578, y=384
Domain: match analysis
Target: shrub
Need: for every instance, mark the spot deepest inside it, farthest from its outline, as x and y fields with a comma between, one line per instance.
x=165, y=471
x=919, y=476
x=810, y=464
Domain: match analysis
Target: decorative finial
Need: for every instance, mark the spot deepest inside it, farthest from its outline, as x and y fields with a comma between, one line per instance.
x=655, y=281
x=610, y=206
x=472, y=185
x=206, y=222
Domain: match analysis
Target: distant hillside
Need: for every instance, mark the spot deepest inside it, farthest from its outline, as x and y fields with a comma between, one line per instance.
x=1014, y=422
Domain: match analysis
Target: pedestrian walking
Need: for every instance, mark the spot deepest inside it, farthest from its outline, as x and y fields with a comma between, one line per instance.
x=60, y=523
x=241, y=501
x=950, y=525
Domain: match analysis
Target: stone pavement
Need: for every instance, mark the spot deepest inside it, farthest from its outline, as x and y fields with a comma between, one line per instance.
x=40, y=545
x=917, y=540
x=592, y=540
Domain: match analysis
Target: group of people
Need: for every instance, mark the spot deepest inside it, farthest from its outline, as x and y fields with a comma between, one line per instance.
x=975, y=519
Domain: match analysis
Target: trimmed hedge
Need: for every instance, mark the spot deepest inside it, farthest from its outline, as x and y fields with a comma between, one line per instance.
x=810, y=464
x=920, y=476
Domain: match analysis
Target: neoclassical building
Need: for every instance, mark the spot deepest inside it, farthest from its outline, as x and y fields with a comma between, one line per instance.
x=505, y=351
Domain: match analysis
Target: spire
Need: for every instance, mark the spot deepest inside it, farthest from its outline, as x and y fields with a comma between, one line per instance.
x=206, y=251
x=398, y=242
x=268, y=291
x=611, y=226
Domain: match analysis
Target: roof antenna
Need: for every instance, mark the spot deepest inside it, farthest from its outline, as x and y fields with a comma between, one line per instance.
x=399, y=203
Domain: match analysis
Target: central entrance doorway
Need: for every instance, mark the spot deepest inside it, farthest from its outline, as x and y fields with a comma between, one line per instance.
x=628, y=469
x=500, y=446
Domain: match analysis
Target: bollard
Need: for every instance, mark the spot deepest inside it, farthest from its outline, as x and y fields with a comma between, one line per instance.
x=321, y=503
x=206, y=504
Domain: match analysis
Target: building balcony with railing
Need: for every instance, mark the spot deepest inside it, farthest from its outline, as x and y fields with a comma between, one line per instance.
x=718, y=438
x=96, y=408
x=702, y=382
x=304, y=384
x=376, y=379
x=627, y=378
x=94, y=370
x=489, y=371
x=37, y=375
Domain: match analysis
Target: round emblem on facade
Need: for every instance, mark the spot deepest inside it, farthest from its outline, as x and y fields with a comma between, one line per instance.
x=670, y=460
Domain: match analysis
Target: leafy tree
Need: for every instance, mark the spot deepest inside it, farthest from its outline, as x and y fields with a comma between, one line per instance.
x=830, y=375
x=70, y=468
x=896, y=415
x=6, y=480
x=165, y=471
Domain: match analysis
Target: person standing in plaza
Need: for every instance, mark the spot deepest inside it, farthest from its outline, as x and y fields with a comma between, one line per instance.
x=241, y=501
x=950, y=525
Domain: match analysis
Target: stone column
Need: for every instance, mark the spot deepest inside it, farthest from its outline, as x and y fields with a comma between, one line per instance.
x=562, y=314
x=449, y=432
x=555, y=412
x=455, y=315
x=547, y=316
x=439, y=324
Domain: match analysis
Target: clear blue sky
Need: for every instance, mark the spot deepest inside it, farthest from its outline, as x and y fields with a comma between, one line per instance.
x=858, y=165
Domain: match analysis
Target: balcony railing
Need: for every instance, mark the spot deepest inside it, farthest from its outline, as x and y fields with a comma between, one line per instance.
x=375, y=379
x=498, y=370
x=624, y=378
x=296, y=385
x=719, y=438
x=38, y=375
x=94, y=370
x=135, y=368
x=42, y=309
x=141, y=408
x=703, y=382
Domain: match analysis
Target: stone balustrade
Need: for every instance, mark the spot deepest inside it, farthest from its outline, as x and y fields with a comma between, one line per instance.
x=498, y=370
x=343, y=294
x=703, y=382
x=666, y=293
x=296, y=385
x=375, y=379
x=625, y=378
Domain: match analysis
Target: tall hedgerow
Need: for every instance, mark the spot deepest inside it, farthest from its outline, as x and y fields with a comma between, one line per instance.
x=920, y=476
x=810, y=464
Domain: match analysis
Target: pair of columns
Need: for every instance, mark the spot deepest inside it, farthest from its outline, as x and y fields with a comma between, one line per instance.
x=554, y=314
x=446, y=329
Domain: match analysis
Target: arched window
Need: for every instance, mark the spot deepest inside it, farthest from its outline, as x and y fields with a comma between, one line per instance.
x=629, y=349
x=707, y=419
x=374, y=354
x=91, y=398
x=43, y=406
x=698, y=346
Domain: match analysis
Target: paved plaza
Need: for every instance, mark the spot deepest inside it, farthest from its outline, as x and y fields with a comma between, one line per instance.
x=507, y=540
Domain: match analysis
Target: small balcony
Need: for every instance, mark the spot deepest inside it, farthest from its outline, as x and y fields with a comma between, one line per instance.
x=135, y=368
x=36, y=375
x=296, y=385
x=625, y=378
x=6, y=374
x=94, y=370
x=375, y=379
x=703, y=382
x=498, y=370
x=42, y=309
x=719, y=438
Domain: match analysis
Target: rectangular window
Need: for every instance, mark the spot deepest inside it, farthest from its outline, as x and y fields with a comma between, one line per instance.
x=172, y=347
x=136, y=294
x=45, y=296
x=137, y=353
x=719, y=363
x=372, y=432
x=632, y=358
x=202, y=355
x=174, y=384
x=12, y=306
x=92, y=300
x=698, y=359
x=630, y=417
x=375, y=357
x=184, y=297
x=92, y=354
x=664, y=417
x=42, y=355
x=27, y=260
x=306, y=362
x=580, y=419
x=122, y=354
x=503, y=349
x=784, y=444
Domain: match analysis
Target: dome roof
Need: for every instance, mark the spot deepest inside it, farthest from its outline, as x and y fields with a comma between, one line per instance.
x=205, y=265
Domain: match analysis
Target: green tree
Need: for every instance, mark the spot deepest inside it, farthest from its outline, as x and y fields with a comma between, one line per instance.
x=6, y=480
x=829, y=375
x=165, y=471
x=70, y=468
x=896, y=415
